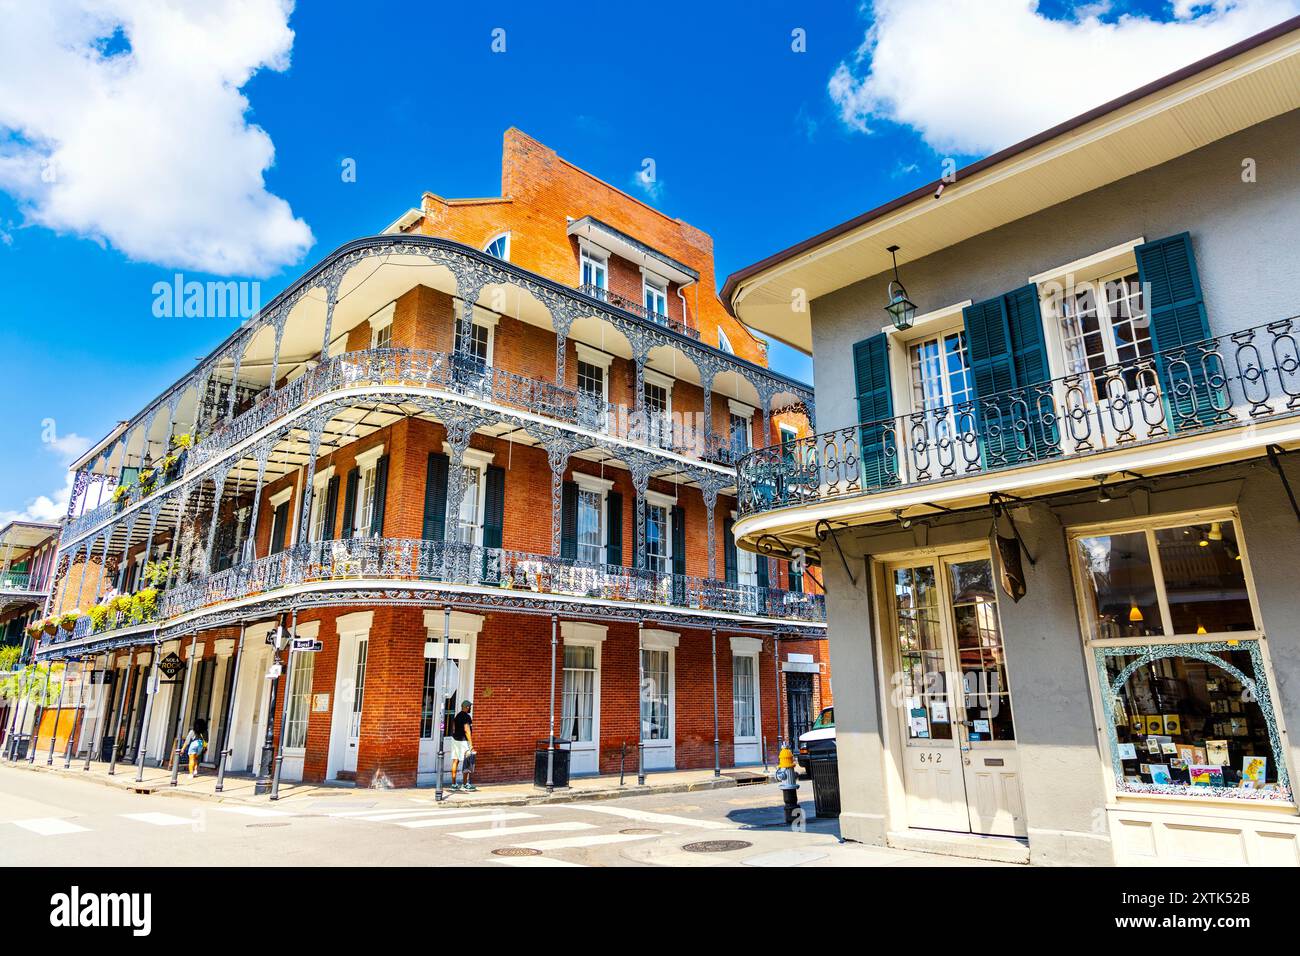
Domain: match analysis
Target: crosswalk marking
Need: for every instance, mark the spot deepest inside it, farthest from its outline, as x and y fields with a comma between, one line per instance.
x=355, y=813
x=405, y=814
x=253, y=811
x=50, y=826
x=667, y=819
x=159, y=819
x=530, y=861
x=514, y=831
x=573, y=843
x=457, y=819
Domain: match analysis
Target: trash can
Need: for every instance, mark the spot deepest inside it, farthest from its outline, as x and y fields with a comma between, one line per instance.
x=560, y=767
x=20, y=744
x=825, y=772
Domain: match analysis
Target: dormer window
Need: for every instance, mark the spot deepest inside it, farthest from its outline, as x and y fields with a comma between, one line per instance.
x=724, y=343
x=499, y=247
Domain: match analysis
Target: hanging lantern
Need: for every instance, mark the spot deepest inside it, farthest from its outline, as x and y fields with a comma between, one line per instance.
x=900, y=308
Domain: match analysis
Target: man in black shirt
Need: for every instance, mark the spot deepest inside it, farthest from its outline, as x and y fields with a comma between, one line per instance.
x=462, y=745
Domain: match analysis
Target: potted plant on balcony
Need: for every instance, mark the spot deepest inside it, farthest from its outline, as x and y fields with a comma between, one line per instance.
x=99, y=616
x=120, y=495
x=35, y=629
x=68, y=621
x=51, y=625
x=148, y=481
x=158, y=572
x=144, y=605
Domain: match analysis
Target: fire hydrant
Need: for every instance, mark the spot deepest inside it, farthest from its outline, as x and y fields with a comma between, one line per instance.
x=787, y=777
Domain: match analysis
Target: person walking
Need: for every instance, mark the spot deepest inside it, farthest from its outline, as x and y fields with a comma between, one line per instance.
x=462, y=745
x=196, y=742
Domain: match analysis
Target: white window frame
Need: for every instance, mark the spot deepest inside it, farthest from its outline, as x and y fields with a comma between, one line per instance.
x=653, y=639
x=380, y=323
x=746, y=565
x=281, y=497
x=749, y=648
x=305, y=629
x=599, y=261
x=938, y=322
x=724, y=343
x=602, y=488
x=651, y=283
x=789, y=434
x=481, y=320
x=585, y=634
x=741, y=410
x=477, y=460
x=487, y=246
x=602, y=360
x=657, y=499
x=367, y=462
x=319, y=485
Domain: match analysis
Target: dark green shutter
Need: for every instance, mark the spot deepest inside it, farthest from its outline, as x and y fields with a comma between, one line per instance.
x=350, y=505
x=435, y=497
x=729, y=551
x=279, y=525
x=569, y=521
x=614, y=528
x=678, y=519
x=381, y=493
x=795, y=578
x=1179, y=330
x=875, y=407
x=494, y=517
x=1007, y=350
x=760, y=565
x=331, y=506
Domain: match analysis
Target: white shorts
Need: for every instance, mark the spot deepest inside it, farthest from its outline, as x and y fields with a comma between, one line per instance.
x=459, y=749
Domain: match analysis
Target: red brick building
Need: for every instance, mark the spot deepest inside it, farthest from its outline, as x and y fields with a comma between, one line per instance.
x=511, y=421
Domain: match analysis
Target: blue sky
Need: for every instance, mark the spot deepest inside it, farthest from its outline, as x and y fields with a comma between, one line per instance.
x=752, y=141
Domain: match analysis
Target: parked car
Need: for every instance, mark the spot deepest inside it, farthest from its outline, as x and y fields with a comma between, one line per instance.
x=819, y=740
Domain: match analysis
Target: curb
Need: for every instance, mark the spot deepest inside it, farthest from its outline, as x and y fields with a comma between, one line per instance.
x=576, y=796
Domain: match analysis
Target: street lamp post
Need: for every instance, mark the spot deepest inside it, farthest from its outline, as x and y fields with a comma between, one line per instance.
x=717, y=759
x=640, y=701
x=284, y=711
x=265, y=760
x=440, y=703
x=550, y=727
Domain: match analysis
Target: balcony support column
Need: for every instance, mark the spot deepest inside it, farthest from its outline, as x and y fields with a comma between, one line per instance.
x=155, y=509
x=717, y=754
x=315, y=428
x=468, y=287
x=234, y=381
x=706, y=383
x=174, y=561
x=709, y=491
x=559, y=448
x=280, y=319
x=331, y=283
x=121, y=707
x=96, y=738
x=263, y=453
x=562, y=319
x=219, y=486
x=640, y=465
x=459, y=425
x=81, y=698
x=150, y=691
x=85, y=566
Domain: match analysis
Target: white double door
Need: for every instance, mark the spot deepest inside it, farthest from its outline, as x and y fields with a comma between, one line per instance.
x=441, y=699
x=658, y=706
x=952, y=697
x=349, y=703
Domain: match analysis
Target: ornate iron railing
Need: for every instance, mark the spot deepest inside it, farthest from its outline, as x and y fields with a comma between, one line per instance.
x=1236, y=379
x=637, y=309
x=416, y=560
x=15, y=581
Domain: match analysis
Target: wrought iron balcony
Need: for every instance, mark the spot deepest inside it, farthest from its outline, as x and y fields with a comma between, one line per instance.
x=1242, y=378
x=637, y=309
x=416, y=560
x=15, y=581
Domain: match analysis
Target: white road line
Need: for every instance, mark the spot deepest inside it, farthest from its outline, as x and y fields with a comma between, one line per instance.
x=159, y=819
x=645, y=816
x=356, y=813
x=527, y=861
x=50, y=826
x=508, y=832
x=452, y=820
x=253, y=811
x=405, y=814
x=567, y=843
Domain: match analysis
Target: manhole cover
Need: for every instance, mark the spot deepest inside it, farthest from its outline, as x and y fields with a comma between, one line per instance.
x=516, y=851
x=716, y=846
x=640, y=831
x=277, y=823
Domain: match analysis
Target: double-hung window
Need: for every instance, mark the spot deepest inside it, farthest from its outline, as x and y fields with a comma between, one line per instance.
x=1171, y=623
x=479, y=347
x=656, y=298
x=595, y=272
x=319, y=492
x=658, y=539
x=578, y=702
x=659, y=417
x=1105, y=333
x=591, y=537
x=298, y=707
x=744, y=694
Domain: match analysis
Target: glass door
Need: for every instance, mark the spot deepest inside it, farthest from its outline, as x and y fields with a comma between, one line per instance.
x=960, y=769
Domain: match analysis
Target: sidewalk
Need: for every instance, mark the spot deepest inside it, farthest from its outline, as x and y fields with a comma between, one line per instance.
x=238, y=788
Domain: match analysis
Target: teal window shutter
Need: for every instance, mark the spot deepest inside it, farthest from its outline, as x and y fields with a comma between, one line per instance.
x=569, y=521
x=279, y=525
x=614, y=528
x=679, y=553
x=494, y=516
x=1176, y=311
x=435, y=497
x=795, y=579
x=1007, y=349
x=331, y=507
x=876, y=434
x=381, y=495
x=350, y=505
x=730, y=573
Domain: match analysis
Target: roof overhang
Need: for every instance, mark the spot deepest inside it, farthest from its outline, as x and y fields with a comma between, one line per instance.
x=625, y=247
x=22, y=536
x=1243, y=85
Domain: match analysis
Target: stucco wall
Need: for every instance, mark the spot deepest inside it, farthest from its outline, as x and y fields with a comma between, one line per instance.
x=1245, y=237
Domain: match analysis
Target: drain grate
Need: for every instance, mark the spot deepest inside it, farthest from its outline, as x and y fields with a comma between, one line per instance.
x=516, y=851
x=640, y=831
x=274, y=823
x=716, y=846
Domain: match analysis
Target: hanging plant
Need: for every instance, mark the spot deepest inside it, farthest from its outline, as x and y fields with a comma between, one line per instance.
x=50, y=625
x=69, y=620
x=99, y=616
x=157, y=572
x=183, y=440
x=120, y=494
x=144, y=605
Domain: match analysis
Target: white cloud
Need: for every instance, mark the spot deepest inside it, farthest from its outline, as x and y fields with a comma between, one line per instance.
x=973, y=76
x=123, y=121
x=645, y=180
x=53, y=506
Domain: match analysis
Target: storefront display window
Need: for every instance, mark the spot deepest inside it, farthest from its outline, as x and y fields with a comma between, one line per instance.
x=1180, y=666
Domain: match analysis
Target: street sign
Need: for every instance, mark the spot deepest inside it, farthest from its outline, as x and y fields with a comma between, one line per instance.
x=307, y=644
x=171, y=665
